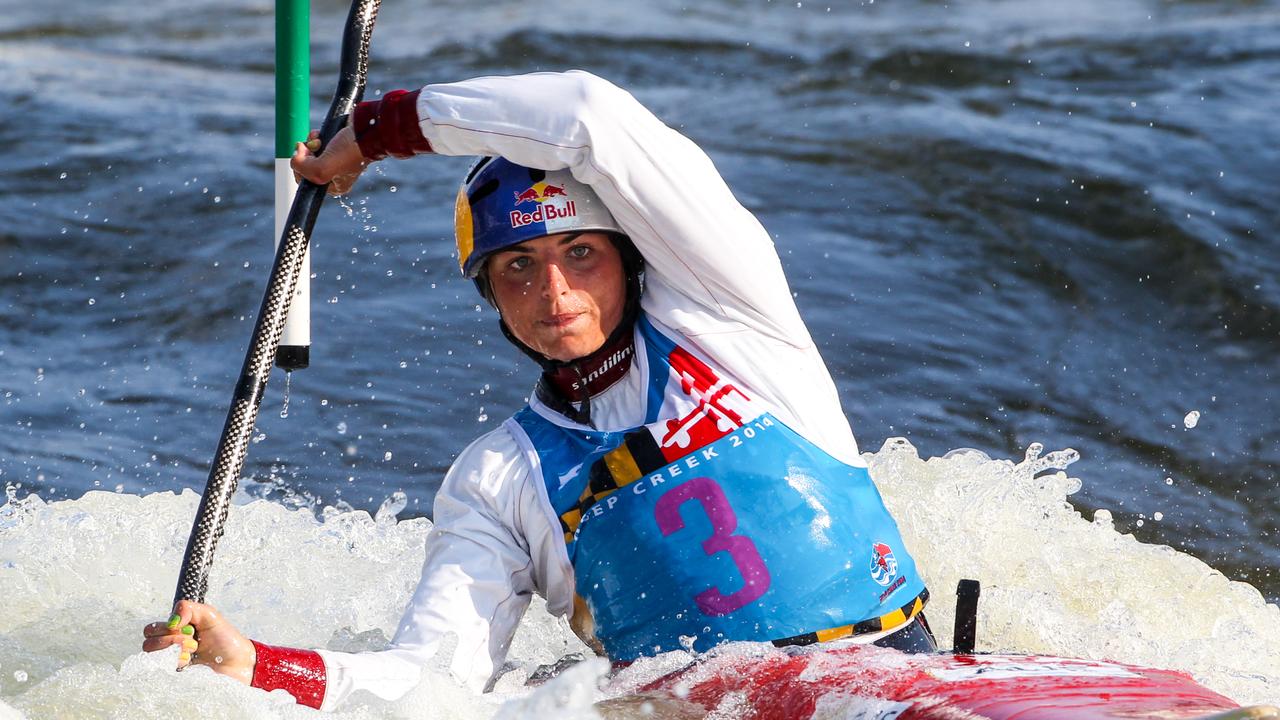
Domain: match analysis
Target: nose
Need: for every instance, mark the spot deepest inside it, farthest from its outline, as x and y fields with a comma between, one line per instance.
x=554, y=283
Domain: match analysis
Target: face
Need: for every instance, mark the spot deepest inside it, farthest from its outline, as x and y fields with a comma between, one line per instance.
x=561, y=295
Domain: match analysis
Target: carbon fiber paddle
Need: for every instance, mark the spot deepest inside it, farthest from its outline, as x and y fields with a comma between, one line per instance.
x=233, y=447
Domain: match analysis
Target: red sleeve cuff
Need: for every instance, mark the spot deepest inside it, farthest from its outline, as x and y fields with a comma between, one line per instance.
x=390, y=126
x=298, y=672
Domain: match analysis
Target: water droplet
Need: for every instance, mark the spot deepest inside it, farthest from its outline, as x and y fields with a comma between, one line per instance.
x=391, y=507
x=63, y=176
x=1157, y=516
x=342, y=428
x=288, y=380
x=21, y=675
x=386, y=456
x=1192, y=419
x=92, y=301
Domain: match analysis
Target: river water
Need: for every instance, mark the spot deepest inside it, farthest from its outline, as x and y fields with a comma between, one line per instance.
x=1005, y=222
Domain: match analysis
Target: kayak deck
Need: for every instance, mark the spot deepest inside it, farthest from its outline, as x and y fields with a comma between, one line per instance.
x=865, y=682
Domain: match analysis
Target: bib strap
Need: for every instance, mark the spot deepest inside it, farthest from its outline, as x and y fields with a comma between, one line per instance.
x=889, y=621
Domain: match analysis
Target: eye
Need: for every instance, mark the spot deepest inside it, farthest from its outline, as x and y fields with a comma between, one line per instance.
x=580, y=251
x=520, y=262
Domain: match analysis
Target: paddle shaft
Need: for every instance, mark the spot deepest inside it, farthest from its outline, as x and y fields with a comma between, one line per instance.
x=233, y=447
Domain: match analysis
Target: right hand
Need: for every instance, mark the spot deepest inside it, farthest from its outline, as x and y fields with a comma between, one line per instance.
x=206, y=638
x=339, y=165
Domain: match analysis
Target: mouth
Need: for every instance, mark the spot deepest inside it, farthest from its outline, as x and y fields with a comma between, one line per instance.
x=561, y=320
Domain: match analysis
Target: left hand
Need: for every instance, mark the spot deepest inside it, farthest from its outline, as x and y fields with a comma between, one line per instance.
x=340, y=164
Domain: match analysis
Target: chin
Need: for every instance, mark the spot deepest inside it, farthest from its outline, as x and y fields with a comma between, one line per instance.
x=569, y=350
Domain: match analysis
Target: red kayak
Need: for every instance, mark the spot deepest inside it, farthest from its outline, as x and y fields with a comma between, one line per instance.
x=867, y=682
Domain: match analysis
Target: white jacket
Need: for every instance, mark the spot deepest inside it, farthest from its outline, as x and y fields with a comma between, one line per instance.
x=714, y=281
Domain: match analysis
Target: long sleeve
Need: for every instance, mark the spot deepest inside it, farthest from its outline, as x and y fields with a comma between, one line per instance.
x=713, y=273
x=697, y=239
x=477, y=580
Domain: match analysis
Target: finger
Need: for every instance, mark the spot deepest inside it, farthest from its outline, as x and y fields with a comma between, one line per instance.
x=160, y=643
x=183, y=614
x=299, y=152
x=160, y=629
x=313, y=145
x=305, y=165
x=196, y=615
x=313, y=134
x=188, y=652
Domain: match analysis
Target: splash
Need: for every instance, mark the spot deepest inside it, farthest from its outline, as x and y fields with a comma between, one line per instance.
x=79, y=578
x=288, y=382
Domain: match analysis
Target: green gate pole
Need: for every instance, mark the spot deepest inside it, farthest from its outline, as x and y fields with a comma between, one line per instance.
x=293, y=89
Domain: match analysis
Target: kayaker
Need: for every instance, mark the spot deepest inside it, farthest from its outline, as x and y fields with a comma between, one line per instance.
x=683, y=475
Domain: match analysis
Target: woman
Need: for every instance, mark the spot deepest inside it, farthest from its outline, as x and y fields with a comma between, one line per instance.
x=683, y=475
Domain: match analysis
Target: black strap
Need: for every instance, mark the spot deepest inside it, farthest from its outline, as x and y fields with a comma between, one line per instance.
x=965, y=637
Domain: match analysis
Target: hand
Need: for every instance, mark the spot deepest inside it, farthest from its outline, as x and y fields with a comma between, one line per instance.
x=206, y=639
x=339, y=165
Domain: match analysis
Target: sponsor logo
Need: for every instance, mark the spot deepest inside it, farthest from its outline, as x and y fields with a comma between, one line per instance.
x=544, y=213
x=610, y=363
x=884, y=566
x=539, y=193
x=889, y=590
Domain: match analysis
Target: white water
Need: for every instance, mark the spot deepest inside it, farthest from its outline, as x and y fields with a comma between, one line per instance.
x=79, y=578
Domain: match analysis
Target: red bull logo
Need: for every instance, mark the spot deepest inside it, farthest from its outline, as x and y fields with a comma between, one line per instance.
x=551, y=203
x=540, y=192
x=544, y=213
x=884, y=566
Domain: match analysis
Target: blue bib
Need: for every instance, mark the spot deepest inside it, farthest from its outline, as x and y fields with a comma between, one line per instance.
x=716, y=522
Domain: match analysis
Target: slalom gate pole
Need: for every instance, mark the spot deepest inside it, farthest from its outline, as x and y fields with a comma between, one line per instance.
x=233, y=447
x=293, y=91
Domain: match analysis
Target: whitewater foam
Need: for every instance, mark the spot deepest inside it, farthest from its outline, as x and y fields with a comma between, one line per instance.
x=79, y=578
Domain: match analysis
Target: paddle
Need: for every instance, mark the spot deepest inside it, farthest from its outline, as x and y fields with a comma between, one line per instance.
x=233, y=447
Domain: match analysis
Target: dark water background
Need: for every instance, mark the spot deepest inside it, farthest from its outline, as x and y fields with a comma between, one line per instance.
x=1005, y=222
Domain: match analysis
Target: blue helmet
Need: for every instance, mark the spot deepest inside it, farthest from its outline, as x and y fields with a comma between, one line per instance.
x=501, y=204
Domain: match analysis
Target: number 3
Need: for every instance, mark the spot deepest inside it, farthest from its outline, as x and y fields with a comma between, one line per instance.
x=723, y=522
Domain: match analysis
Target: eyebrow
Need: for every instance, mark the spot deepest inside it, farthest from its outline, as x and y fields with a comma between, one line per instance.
x=524, y=250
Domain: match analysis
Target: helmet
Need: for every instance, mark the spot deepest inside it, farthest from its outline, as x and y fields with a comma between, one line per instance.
x=501, y=204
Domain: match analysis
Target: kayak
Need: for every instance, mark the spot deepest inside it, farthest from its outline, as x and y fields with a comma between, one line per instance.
x=868, y=682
